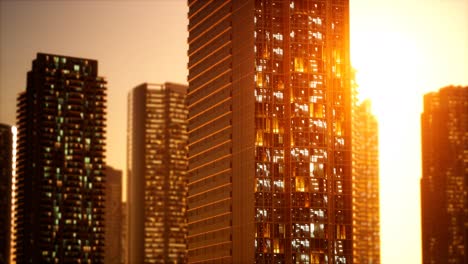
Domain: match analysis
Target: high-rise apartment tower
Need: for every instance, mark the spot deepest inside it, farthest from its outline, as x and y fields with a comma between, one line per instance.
x=444, y=125
x=60, y=162
x=157, y=168
x=366, y=215
x=269, y=132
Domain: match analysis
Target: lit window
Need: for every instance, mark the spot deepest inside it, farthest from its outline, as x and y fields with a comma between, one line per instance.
x=300, y=184
x=299, y=64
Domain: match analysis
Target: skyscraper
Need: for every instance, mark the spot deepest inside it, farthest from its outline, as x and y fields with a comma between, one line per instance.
x=157, y=168
x=6, y=144
x=60, y=162
x=366, y=216
x=269, y=132
x=444, y=207
x=113, y=219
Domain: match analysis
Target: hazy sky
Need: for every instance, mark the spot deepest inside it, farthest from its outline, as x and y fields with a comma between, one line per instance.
x=400, y=48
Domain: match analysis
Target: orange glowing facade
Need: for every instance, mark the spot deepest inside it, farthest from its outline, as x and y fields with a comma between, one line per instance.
x=269, y=132
x=366, y=216
x=157, y=168
x=444, y=202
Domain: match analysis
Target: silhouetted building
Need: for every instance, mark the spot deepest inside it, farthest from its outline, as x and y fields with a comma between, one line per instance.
x=6, y=150
x=60, y=162
x=113, y=243
x=444, y=208
x=124, y=233
x=269, y=132
x=157, y=168
x=366, y=216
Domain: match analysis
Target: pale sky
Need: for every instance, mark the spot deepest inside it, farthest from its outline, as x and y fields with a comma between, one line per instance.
x=400, y=48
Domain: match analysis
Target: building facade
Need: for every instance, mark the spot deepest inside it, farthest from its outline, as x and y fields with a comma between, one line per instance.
x=60, y=162
x=157, y=168
x=6, y=151
x=14, y=202
x=444, y=207
x=366, y=215
x=113, y=219
x=269, y=101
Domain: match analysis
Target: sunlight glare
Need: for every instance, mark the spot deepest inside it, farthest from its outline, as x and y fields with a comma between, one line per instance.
x=389, y=71
x=387, y=67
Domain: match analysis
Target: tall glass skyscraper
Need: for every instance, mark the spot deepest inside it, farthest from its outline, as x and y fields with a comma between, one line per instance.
x=366, y=214
x=269, y=125
x=444, y=201
x=60, y=162
x=157, y=173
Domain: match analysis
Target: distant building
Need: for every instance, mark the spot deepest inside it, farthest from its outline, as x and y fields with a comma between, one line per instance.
x=6, y=144
x=60, y=162
x=157, y=165
x=113, y=220
x=269, y=125
x=366, y=216
x=124, y=238
x=444, y=207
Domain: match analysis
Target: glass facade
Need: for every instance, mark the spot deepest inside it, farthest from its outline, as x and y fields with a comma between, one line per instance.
x=157, y=173
x=302, y=185
x=444, y=128
x=269, y=132
x=60, y=162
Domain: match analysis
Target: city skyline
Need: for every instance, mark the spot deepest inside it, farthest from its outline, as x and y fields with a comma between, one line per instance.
x=409, y=191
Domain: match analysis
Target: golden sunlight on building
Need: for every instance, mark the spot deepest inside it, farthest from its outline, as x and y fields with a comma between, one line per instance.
x=283, y=129
x=366, y=207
